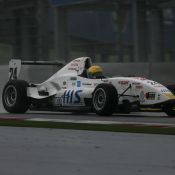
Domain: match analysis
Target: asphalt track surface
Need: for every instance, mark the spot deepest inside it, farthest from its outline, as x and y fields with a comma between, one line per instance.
x=137, y=117
x=38, y=151
x=42, y=151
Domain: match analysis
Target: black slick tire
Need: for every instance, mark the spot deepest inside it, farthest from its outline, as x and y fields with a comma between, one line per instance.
x=14, y=96
x=105, y=99
x=169, y=109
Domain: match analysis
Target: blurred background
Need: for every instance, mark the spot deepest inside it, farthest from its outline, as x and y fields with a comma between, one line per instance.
x=106, y=30
x=127, y=37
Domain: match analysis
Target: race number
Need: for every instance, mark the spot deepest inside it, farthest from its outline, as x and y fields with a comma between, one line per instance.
x=13, y=73
x=14, y=69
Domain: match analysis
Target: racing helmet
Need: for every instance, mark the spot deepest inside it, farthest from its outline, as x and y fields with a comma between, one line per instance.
x=95, y=72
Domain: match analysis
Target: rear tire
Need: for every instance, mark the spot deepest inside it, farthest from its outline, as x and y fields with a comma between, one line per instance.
x=14, y=96
x=105, y=99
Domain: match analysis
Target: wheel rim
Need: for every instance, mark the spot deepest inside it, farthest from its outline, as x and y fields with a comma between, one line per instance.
x=10, y=95
x=99, y=99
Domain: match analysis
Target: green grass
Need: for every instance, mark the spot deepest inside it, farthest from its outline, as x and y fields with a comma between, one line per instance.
x=91, y=127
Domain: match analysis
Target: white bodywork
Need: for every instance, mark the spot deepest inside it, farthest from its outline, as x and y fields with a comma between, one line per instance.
x=69, y=88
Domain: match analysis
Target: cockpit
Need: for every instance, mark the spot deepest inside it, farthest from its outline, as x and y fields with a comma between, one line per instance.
x=92, y=72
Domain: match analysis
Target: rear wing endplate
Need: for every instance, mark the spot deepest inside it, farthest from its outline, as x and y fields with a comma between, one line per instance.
x=16, y=64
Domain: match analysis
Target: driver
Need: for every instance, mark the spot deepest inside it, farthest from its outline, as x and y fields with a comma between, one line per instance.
x=95, y=72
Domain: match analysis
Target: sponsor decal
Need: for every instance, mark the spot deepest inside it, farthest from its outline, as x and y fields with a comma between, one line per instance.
x=136, y=83
x=64, y=85
x=150, y=95
x=73, y=78
x=87, y=84
x=140, y=78
x=158, y=86
x=153, y=83
x=139, y=87
x=123, y=82
x=74, y=64
x=164, y=90
x=105, y=81
x=69, y=97
x=73, y=83
x=142, y=96
x=72, y=68
x=78, y=83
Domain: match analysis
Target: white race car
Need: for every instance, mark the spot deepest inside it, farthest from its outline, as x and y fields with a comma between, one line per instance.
x=73, y=88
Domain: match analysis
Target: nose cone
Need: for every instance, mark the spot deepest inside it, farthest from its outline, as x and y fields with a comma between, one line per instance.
x=169, y=95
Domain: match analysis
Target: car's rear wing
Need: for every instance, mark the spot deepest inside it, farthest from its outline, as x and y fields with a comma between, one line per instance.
x=16, y=64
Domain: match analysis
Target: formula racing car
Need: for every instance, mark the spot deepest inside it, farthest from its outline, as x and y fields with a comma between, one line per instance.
x=81, y=86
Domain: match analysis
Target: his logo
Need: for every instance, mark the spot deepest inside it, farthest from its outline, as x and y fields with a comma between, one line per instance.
x=69, y=97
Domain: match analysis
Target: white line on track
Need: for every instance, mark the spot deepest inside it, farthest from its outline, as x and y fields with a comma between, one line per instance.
x=102, y=122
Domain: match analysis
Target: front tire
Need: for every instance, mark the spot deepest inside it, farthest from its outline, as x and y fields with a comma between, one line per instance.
x=169, y=109
x=105, y=99
x=125, y=108
x=14, y=96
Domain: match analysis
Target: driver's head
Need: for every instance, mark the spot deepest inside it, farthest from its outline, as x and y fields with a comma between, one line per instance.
x=95, y=72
